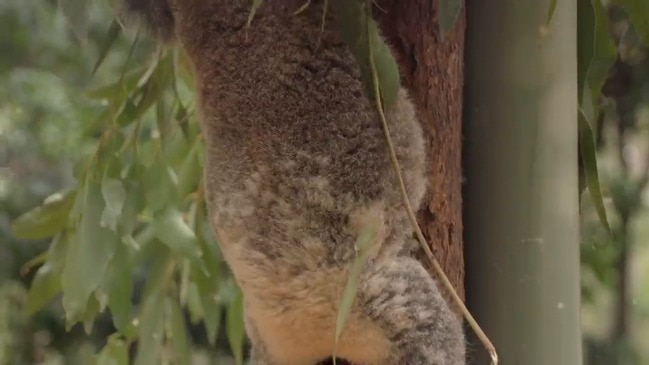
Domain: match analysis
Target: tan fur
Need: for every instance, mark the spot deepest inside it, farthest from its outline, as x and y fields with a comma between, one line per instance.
x=308, y=332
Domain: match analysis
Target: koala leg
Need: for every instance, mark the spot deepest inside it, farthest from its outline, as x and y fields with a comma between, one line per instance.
x=402, y=298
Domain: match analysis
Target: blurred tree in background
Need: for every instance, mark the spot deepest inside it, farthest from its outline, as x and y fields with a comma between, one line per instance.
x=48, y=124
x=615, y=267
x=52, y=122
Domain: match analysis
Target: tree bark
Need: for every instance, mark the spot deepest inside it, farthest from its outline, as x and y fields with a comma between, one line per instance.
x=432, y=70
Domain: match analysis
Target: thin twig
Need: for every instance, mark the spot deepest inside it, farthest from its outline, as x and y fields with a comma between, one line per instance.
x=411, y=215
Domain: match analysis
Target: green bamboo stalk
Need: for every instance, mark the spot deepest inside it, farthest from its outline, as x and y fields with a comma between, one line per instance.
x=521, y=213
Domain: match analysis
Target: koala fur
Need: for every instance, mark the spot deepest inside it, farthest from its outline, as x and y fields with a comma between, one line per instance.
x=296, y=164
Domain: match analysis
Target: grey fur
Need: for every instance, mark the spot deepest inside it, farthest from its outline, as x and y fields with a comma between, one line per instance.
x=296, y=163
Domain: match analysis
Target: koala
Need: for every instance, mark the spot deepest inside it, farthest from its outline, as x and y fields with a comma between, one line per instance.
x=296, y=166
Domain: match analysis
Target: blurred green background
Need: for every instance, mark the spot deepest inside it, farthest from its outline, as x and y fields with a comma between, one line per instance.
x=47, y=122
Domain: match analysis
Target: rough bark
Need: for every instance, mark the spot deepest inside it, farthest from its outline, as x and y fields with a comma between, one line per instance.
x=432, y=70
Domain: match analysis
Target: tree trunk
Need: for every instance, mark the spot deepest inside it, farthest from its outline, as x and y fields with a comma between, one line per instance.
x=522, y=223
x=432, y=70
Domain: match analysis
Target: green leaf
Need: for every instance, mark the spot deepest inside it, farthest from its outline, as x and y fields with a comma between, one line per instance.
x=175, y=150
x=448, y=12
x=133, y=205
x=93, y=308
x=255, y=6
x=163, y=120
x=235, y=327
x=114, y=353
x=114, y=197
x=46, y=220
x=194, y=303
x=118, y=285
x=358, y=30
x=89, y=254
x=208, y=289
x=184, y=282
x=596, y=51
x=207, y=280
x=589, y=160
x=44, y=288
x=127, y=114
x=190, y=171
x=152, y=90
x=177, y=333
x=113, y=34
x=182, y=117
x=363, y=246
x=159, y=185
x=551, y=9
x=107, y=163
x=638, y=12
x=151, y=314
x=76, y=15
x=171, y=229
x=47, y=281
x=120, y=88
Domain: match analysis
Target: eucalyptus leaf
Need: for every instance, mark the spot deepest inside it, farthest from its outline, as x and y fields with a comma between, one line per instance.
x=207, y=291
x=207, y=280
x=194, y=304
x=596, y=54
x=182, y=118
x=596, y=50
x=588, y=155
x=114, y=197
x=46, y=220
x=133, y=204
x=151, y=316
x=235, y=328
x=89, y=254
x=358, y=29
x=114, y=353
x=171, y=229
x=47, y=281
x=93, y=308
x=151, y=322
x=159, y=82
x=190, y=171
x=118, y=89
x=177, y=332
x=255, y=6
x=158, y=185
x=551, y=9
x=113, y=33
x=163, y=119
x=363, y=245
x=127, y=114
x=448, y=12
x=118, y=285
